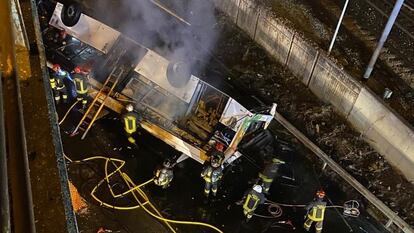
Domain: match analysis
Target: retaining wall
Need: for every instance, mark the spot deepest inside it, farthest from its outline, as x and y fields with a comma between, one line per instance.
x=381, y=127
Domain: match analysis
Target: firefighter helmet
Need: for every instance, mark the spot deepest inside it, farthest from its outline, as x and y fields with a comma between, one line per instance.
x=130, y=108
x=320, y=193
x=258, y=188
x=77, y=70
x=219, y=146
x=56, y=67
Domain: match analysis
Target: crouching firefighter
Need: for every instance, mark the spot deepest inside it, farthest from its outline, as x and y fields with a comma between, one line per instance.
x=212, y=175
x=269, y=173
x=253, y=199
x=130, y=120
x=58, y=85
x=316, y=212
x=82, y=85
x=165, y=174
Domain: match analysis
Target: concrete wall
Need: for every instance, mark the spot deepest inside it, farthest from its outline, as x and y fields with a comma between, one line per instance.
x=390, y=135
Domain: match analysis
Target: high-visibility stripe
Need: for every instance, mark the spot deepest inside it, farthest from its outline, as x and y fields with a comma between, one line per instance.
x=317, y=213
x=130, y=124
x=131, y=139
x=80, y=86
x=52, y=83
x=265, y=178
x=247, y=202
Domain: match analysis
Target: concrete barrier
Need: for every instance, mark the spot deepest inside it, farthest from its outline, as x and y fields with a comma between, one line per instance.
x=230, y=7
x=302, y=59
x=333, y=85
x=275, y=37
x=248, y=16
x=387, y=132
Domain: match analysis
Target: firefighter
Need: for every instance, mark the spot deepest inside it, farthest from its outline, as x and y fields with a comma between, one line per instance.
x=164, y=175
x=269, y=173
x=316, y=212
x=212, y=175
x=58, y=85
x=82, y=85
x=253, y=198
x=130, y=120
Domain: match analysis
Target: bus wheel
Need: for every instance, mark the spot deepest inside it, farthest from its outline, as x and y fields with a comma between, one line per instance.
x=70, y=14
x=178, y=74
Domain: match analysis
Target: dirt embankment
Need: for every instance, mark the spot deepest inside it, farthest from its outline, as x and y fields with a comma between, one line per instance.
x=256, y=73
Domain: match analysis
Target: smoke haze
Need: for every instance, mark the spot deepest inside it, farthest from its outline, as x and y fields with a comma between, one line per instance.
x=145, y=22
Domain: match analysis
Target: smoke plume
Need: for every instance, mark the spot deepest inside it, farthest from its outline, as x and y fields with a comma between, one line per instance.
x=149, y=24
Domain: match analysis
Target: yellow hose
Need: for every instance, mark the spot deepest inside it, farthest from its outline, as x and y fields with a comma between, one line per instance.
x=67, y=112
x=171, y=220
x=132, y=188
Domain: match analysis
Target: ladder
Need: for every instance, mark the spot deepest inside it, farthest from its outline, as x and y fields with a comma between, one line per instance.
x=96, y=106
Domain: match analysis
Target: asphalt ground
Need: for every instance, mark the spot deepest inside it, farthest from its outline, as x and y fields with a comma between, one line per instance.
x=184, y=199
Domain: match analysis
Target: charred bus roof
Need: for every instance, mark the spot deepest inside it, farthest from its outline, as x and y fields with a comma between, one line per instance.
x=177, y=107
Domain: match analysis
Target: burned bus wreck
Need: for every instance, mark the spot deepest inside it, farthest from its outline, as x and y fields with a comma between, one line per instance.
x=175, y=106
x=170, y=106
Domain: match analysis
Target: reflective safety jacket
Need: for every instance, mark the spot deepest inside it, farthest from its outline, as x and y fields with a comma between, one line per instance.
x=212, y=175
x=316, y=210
x=81, y=83
x=269, y=173
x=253, y=199
x=130, y=121
x=56, y=81
x=163, y=176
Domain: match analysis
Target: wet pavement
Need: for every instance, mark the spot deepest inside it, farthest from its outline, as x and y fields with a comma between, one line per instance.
x=184, y=199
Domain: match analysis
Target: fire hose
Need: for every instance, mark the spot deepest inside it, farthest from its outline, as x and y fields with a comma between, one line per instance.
x=135, y=190
x=350, y=208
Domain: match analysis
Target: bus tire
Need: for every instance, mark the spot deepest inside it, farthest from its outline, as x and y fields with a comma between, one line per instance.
x=70, y=14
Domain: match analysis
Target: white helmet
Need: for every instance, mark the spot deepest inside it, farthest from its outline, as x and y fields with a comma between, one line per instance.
x=129, y=108
x=257, y=188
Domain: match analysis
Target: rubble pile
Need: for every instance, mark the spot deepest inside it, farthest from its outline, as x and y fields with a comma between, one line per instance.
x=253, y=71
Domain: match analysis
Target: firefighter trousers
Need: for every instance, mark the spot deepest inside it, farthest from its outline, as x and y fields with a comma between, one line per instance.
x=308, y=223
x=210, y=186
x=130, y=137
x=83, y=97
x=248, y=213
x=62, y=91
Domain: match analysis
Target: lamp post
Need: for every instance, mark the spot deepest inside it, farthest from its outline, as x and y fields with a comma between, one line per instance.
x=338, y=26
x=384, y=36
